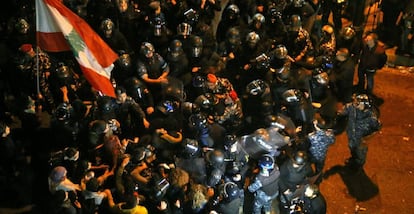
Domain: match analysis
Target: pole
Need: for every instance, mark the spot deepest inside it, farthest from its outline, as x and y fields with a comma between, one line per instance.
x=37, y=55
x=37, y=71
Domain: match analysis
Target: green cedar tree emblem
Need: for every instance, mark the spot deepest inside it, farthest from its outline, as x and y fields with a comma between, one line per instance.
x=76, y=43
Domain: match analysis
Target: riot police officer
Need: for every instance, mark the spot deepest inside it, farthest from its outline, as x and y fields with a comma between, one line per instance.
x=264, y=185
x=152, y=68
x=257, y=104
x=362, y=121
x=231, y=199
x=293, y=173
x=113, y=37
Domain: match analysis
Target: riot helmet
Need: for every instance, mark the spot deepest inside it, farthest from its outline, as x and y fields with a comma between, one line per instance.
x=280, y=52
x=266, y=163
x=158, y=23
x=256, y=87
x=196, y=46
x=275, y=14
x=321, y=77
x=292, y=95
x=232, y=12
x=298, y=3
x=348, y=32
x=22, y=26
x=229, y=141
x=252, y=39
x=135, y=88
x=258, y=18
x=105, y=105
x=191, y=147
x=205, y=101
x=295, y=23
x=63, y=112
x=230, y=191
x=283, y=74
x=107, y=26
x=233, y=36
x=215, y=157
x=199, y=81
x=184, y=29
x=124, y=59
x=147, y=50
x=63, y=73
x=175, y=50
x=362, y=99
x=197, y=121
x=300, y=158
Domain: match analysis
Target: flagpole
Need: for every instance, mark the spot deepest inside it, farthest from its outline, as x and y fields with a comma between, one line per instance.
x=37, y=56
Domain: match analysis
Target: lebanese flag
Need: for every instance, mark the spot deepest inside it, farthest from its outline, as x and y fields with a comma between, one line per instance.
x=59, y=29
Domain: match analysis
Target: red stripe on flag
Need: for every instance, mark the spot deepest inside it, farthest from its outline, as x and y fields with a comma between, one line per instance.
x=98, y=82
x=52, y=42
x=102, y=52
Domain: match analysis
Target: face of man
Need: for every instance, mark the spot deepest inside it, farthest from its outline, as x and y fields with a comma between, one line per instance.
x=340, y=57
x=369, y=40
x=123, y=5
x=121, y=98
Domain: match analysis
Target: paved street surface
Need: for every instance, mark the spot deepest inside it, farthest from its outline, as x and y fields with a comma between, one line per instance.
x=387, y=183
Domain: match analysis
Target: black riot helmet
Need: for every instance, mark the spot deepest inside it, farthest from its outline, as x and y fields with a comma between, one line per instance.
x=184, y=29
x=252, y=39
x=232, y=12
x=292, y=95
x=147, y=50
x=215, y=157
x=266, y=162
x=62, y=70
x=63, y=74
x=258, y=18
x=205, y=101
x=348, y=32
x=107, y=26
x=105, y=105
x=22, y=26
x=321, y=76
x=191, y=147
x=229, y=140
x=229, y=191
x=124, y=59
x=196, y=46
x=256, y=87
x=233, y=36
x=295, y=23
x=300, y=158
x=362, y=99
x=275, y=13
x=283, y=74
x=280, y=52
x=199, y=81
x=63, y=112
x=135, y=88
x=175, y=50
x=197, y=121
x=298, y=3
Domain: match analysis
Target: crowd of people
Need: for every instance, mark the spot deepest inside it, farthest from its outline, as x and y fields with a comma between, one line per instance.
x=233, y=114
